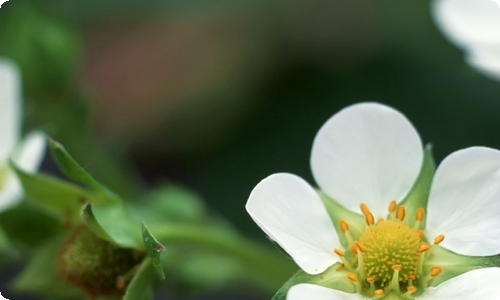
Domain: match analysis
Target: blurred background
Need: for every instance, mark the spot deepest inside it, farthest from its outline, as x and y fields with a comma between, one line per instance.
x=218, y=94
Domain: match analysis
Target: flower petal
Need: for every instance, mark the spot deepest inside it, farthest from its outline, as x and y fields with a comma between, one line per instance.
x=476, y=284
x=10, y=102
x=291, y=213
x=486, y=60
x=464, y=202
x=31, y=152
x=316, y=292
x=468, y=22
x=11, y=192
x=367, y=153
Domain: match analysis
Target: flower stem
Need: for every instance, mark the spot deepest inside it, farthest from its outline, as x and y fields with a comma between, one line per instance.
x=269, y=269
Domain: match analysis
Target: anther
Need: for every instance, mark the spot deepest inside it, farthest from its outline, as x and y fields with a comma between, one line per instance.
x=344, y=226
x=392, y=206
x=354, y=279
x=339, y=267
x=419, y=215
x=371, y=280
x=370, y=220
x=394, y=285
x=411, y=277
x=397, y=267
x=339, y=252
x=379, y=292
x=400, y=214
x=411, y=290
x=364, y=209
x=345, y=229
x=358, y=246
x=435, y=271
x=423, y=247
x=438, y=239
x=420, y=234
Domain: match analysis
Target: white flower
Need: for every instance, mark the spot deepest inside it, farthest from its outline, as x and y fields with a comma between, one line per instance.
x=474, y=26
x=370, y=153
x=27, y=153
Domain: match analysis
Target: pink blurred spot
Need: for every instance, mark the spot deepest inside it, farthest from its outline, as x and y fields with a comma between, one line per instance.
x=159, y=248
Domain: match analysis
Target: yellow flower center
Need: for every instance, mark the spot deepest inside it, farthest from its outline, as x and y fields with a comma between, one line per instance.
x=389, y=256
x=387, y=244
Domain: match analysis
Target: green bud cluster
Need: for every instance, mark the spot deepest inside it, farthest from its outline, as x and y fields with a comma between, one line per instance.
x=95, y=265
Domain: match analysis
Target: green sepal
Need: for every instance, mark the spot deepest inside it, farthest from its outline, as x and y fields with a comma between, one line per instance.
x=108, y=219
x=337, y=212
x=419, y=194
x=58, y=198
x=331, y=279
x=89, y=219
x=116, y=222
x=455, y=264
x=154, y=249
x=140, y=288
x=75, y=172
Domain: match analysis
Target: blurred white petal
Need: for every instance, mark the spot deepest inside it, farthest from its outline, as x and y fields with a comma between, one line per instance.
x=30, y=152
x=10, y=103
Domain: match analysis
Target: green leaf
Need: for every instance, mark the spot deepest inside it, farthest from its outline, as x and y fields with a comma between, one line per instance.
x=154, y=249
x=60, y=199
x=75, y=172
x=331, y=278
x=140, y=288
x=419, y=194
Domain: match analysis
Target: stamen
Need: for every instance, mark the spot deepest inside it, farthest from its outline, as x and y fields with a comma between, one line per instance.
x=435, y=271
x=420, y=234
x=392, y=210
x=339, y=267
x=361, y=265
x=344, y=226
x=379, y=293
x=364, y=209
x=345, y=229
x=341, y=255
x=358, y=246
x=400, y=214
x=354, y=279
x=419, y=217
x=392, y=206
x=339, y=252
x=394, y=285
x=423, y=247
x=370, y=220
x=371, y=280
x=438, y=239
x=410, y=290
